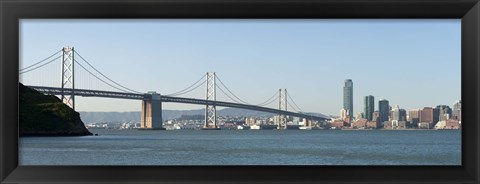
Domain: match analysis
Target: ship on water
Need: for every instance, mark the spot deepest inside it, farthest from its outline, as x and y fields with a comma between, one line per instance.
x=254, y=127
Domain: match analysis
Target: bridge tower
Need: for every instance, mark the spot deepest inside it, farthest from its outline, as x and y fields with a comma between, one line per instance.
x=68, y=76
x=210, y=110
x=282, y=105
x=151, y=117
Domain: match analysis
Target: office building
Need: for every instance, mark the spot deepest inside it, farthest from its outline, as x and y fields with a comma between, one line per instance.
x=444, y=112
x=429, y=115
x=413, y=117
x=383, y=110
x=395, y=113
x=457, y=110
x=369, y=107
x=348, y=97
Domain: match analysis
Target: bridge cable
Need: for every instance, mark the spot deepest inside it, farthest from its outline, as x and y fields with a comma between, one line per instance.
x=41, y=61
x=100, y=78
x=270, y=102
x=174, y=94
x=227, y=94
x=22, y=72
x=273, y=100
x=292, y=107
x=288, y=94
x=106, y=76
x=244, y=101
x=188, y=90
x=274, y=95
x=231, y=91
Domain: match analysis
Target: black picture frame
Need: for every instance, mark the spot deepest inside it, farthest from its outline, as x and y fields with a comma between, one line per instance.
x=13, y=10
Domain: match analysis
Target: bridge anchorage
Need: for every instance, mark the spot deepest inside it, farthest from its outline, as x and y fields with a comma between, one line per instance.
x=151, y=110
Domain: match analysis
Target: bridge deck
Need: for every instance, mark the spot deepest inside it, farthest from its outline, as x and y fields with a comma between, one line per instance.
x=136, y=96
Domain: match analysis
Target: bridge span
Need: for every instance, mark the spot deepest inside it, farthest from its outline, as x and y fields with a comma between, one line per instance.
x=163, y=98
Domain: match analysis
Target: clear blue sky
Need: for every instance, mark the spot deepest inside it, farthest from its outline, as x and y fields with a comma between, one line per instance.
x=412, y=63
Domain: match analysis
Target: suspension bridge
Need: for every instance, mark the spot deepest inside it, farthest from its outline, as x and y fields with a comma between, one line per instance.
x=74, y=66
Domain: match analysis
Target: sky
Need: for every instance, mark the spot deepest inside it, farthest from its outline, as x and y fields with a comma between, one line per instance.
x=412, y=63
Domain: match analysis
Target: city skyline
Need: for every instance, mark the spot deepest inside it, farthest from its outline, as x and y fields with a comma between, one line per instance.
x=257, y=57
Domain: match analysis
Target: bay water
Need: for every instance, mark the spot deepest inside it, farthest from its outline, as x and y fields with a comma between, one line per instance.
x=246, y=147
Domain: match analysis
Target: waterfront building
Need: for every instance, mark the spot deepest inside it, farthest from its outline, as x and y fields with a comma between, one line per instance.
x=338, y=124
x=360, y=115
x=398, y=114
x=395, y=114
x=369, y=107
x=429, y=115
x=423, y=125
x=387, y=125
x=403, y=115
x=373, y=124
x=343, y=114
x=401, y=125
x=348, y=97
x=413, y=117
x=375, y=116
x=452, y=124
x=444, y=112
x=442, y=124
x=360, y=123
x=383, y=110
x=447, y=124
x=413, y=114
x=457, y=110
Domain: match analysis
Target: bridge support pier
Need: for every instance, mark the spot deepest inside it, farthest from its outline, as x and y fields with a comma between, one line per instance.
x=151, y=115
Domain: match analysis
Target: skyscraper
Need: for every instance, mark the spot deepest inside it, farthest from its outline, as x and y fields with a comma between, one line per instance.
x=457, y=110
x=399, y=114
x=348, y=97
x=429, y=115
x=414, y=117
x=383, y=110
x=444, y=112
x=369, y=107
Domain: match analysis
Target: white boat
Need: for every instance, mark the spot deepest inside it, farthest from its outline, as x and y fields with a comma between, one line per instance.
x=254, y=127
x=239, y=127
x=304, y=128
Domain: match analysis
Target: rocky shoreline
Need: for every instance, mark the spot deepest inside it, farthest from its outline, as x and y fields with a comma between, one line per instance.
x=47, y=115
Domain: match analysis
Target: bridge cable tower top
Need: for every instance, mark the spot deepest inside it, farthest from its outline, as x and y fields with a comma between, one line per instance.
x=68, y=76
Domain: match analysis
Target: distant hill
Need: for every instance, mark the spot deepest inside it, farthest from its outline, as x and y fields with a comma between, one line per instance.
x=92, y=117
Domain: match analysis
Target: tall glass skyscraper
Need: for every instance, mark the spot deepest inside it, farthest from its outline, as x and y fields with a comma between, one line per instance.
x=348, y=97
x=369, y=107
x=383, y=110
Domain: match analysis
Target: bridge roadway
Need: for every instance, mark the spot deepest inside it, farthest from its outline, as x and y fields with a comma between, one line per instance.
x=147, y=96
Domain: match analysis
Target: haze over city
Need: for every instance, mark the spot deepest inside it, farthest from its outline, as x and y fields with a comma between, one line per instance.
x=412, y=63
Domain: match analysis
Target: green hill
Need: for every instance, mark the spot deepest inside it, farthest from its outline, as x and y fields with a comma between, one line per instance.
x=46, y=115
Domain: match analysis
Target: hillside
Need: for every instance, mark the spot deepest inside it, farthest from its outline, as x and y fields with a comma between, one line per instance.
x=46, y=115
